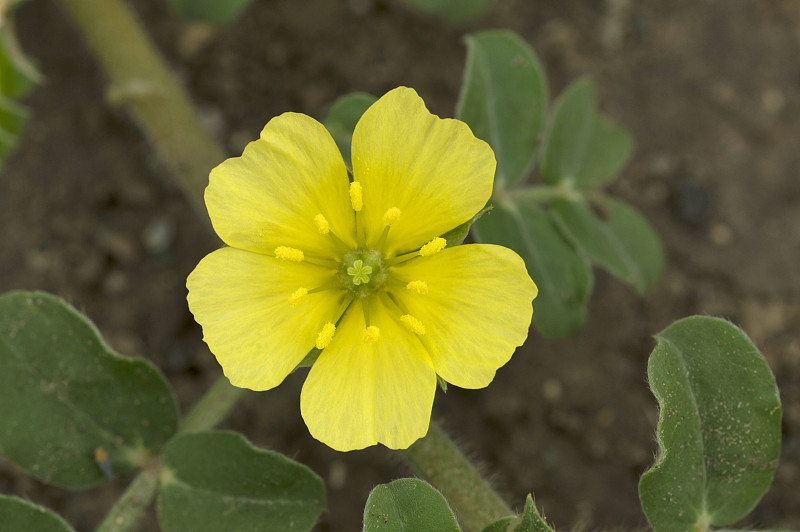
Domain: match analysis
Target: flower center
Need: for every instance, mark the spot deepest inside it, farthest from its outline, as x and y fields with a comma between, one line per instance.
x=362, y=272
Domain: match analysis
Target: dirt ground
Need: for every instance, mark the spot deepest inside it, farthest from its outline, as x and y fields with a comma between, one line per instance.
x=710, y=89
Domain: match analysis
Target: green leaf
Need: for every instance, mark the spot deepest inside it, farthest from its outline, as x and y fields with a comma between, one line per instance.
x=65, y=394
x=504, y=100
x=529, y=521
x=562, y=274
x=503, y=524
x=614, y=235
x=342, y=118
x=408, y=505
x=454, y=11
x=719, y=426
x=218, y=482
x=12, y=115
x=18, y=515
x=455, y=237
x=17, y=72
x=582, y=148
x=214, y=12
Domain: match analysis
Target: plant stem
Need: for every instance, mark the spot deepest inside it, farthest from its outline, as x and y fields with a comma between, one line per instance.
x=439, y=461
x=543, y=193
x=129, y=508
x=210, y=410
x=142, y=82
x=213, y=407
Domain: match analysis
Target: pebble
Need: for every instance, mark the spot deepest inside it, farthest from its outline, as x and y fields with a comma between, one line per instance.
x=689, y=203
x=158, y=236
x=720, y=234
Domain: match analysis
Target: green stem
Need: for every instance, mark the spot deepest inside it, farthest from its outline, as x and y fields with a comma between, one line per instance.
x=141, y=81
x=542, y=193
x=213, y=407
x=129, y=508
x=438, y=460
x=209, y=411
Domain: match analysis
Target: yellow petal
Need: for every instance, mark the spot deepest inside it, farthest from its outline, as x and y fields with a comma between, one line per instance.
x=476, y=312
x=358, y=394
x=242, y=300
x=434, y=171
x=272, y=194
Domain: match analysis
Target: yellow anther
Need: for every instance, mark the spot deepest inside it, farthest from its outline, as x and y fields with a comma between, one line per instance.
x=287, y=253
x=322, y=224
x=412, y=324
x=433, y=247
x=371, y=334
x=356, y=199
x=391, y=216
x=296, y=296
x=420, y=287
x=325, y=335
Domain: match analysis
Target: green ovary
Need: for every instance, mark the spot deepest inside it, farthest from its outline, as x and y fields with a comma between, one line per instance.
x=362, y=272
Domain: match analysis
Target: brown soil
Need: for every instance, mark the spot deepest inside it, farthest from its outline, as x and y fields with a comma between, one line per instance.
x=709, y=89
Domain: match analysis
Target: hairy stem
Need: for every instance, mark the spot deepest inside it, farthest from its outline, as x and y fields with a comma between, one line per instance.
x=210, y=410
x=213, y=407
x=129, y=508
x=141, y=82
x=439, y=461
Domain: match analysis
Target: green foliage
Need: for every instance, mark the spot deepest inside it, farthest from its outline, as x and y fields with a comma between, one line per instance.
x=559, y=228
x=583, y=149
x=214, y=12
x=562, y=274
x=17, y=76
x=455, y=237
x=556, y=227
x=218, y=481
x=614, y=235
x=408, y=505
x=453, y=11
x=529, y=521
x=718, y=428
x=18, y=515
x=342, y=118
x=504, y=100
x=65, y=394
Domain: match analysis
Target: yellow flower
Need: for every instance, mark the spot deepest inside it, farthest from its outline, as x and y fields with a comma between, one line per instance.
x=357, y=270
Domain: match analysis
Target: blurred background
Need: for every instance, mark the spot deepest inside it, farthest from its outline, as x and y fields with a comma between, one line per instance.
x=710, y=90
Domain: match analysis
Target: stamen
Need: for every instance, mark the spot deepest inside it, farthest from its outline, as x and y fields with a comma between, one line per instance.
x=391, y=216
x=287, y=253
x=412, y=324
x=371, y=334
x=433, y=247
x=325, y=335
x=356, y=199
x=420, y=287
x=322, y=224
x=296, y=296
